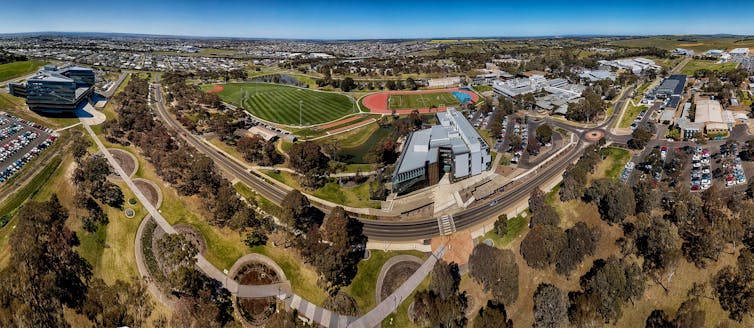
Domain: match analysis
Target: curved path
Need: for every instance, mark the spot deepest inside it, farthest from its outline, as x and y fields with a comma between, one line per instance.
x=122, y=154
x=386, y=267
x=374, y=229
x=317, y=314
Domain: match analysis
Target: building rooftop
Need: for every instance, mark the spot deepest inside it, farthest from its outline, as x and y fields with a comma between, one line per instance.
x=454, y=132
x=50, y=76
x=708, y=110
x=739, y=51
x=673, y=85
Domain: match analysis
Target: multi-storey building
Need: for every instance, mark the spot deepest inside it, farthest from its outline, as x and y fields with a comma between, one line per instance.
x=453, y=147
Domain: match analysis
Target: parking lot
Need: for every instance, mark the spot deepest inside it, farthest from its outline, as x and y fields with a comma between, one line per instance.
x=697, y=167
x=20, y=142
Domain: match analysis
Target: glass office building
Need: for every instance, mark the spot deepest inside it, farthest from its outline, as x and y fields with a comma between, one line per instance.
x=59, y=90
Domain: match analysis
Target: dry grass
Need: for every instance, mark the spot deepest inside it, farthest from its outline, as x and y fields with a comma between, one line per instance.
x=685, y=275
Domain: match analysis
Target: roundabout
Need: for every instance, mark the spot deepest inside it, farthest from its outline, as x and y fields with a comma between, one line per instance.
x=593, y=135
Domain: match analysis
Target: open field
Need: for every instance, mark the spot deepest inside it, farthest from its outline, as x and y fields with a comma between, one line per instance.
x=712, y=65
x=421, y=100
x=280, y=103
x=692, y=42
x=17, y=69
x=612, y=166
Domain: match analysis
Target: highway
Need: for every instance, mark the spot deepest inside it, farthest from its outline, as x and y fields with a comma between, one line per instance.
x=383, y=230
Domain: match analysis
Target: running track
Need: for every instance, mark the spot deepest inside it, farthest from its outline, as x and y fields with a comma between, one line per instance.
x=378, y=102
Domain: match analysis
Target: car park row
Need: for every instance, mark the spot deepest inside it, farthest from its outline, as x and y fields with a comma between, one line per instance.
x=701, y=178
x=15, y=153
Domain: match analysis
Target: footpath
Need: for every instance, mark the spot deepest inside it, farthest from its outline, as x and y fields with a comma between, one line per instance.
x=311, y=311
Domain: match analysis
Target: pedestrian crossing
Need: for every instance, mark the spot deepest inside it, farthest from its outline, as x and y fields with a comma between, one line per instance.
x=447, y=225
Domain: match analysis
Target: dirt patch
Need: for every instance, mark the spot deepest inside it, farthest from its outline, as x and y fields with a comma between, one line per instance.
x=256, y=310
x=342, y=303
x=193, y=235
x=125, y=160
x=149, y=191
x=505, y=170
x=396, y=276
x=458, y=247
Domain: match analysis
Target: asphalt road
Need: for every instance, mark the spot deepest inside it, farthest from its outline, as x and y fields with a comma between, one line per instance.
x=377, y=229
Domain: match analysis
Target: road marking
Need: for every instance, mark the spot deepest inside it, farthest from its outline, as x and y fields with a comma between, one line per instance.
x=447, y=225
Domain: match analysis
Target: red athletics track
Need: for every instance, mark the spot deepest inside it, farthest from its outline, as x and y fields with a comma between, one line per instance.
x=377, y=102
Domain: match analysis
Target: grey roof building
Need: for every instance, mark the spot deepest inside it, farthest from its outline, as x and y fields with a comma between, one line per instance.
x=453, y=147
x=672, y=86
x=57, y=90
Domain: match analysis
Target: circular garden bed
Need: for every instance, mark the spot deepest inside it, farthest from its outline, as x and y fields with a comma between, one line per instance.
x=256, y=311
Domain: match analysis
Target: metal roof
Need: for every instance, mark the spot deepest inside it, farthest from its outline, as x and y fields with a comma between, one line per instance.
x=454, y=132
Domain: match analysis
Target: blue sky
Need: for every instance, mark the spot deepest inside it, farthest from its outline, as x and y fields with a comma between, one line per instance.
x=379, y=19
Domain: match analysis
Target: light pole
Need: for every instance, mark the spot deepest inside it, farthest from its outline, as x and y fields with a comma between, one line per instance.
x=300, y=102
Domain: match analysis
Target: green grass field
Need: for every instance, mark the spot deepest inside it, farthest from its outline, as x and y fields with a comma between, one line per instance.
x=280, y=103
x=422, y=100
x=698, y=43
x=630, y=115
x=615, y=160
x=712, y=65
x=16, y=69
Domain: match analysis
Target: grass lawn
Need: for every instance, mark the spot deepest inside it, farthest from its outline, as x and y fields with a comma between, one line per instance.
x=357, y=196
x=16, y=69
x=355, y=145
x=280, y=103
x=698, y=43
x=363, y=286
x=303, y=277
x=612, y=165
x=712, y=65
x=263, y=203
x=422, y=100
x=482, y=88
x=630, y=114
x=114, y=243
x=36, y=187
x=516, y=226
x=640, y=91
x=400, y=317
x=17, y=106
x=11, y=204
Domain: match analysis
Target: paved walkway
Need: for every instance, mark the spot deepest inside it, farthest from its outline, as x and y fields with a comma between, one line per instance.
x=386, y=267
x=282, y=291
x=390, y=304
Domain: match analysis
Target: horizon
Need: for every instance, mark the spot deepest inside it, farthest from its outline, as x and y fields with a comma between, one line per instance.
x=450, y=38
x=333, y=20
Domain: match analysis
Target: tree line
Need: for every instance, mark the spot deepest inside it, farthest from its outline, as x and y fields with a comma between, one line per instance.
x=178, y=164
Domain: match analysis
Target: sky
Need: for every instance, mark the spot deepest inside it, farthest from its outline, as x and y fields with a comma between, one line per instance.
x=378, y=19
